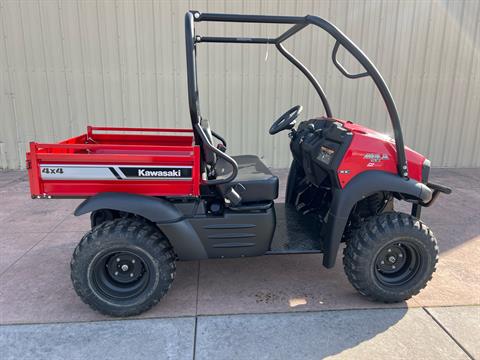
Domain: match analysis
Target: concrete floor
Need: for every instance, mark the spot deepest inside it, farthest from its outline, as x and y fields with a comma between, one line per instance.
x=239, y=308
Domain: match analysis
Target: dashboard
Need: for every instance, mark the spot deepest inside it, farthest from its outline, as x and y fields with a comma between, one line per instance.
x=319, y=146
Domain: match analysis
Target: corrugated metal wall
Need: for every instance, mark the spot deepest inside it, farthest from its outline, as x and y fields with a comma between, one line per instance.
x=66, y=64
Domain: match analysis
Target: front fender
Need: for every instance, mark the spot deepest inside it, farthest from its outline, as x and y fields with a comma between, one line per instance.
x=171, y=221
x=360, y=187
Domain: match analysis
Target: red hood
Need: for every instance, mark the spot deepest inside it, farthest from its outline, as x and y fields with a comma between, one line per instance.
x=372, y=150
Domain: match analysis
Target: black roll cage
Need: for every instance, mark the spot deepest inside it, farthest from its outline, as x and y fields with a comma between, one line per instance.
x=298, y=23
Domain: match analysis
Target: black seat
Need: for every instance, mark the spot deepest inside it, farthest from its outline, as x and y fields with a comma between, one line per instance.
x=259, y=182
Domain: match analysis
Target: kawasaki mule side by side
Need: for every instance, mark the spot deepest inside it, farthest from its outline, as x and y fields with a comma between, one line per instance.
x=157, y=196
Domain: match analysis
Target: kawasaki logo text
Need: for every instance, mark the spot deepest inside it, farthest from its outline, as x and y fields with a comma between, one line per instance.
x=159, y=173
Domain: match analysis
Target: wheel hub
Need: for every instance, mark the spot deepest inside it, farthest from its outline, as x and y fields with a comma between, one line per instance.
x=124, y=267
x=391, y=259
x=397, y=263
x=121, y=274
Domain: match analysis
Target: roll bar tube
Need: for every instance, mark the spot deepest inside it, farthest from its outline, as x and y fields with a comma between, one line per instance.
x=298, y=23
x=309, y=76
x=193, y=102
x=377, y=78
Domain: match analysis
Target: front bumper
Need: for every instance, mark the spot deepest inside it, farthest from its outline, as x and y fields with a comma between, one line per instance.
x=436, y=190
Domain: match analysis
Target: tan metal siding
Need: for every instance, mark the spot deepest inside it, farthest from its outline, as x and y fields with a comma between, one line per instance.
x=66, y=64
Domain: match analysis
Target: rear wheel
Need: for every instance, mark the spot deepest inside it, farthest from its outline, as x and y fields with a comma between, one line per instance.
x=123, y=267
x=391, y=257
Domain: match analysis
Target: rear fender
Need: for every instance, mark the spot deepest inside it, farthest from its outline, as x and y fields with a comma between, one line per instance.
x=171, y=221
x=360, y=187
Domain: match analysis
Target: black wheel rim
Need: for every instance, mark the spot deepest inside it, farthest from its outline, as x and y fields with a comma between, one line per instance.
x=398, y=263
x=121, y=274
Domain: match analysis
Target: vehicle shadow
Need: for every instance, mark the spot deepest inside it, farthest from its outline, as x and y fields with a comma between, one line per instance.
x=295, y=307
x=338, y=332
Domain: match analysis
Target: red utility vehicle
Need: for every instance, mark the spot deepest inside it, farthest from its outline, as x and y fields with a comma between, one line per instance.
x=160, y=195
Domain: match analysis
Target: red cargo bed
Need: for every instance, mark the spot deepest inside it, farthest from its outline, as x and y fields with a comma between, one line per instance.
x=112, y=159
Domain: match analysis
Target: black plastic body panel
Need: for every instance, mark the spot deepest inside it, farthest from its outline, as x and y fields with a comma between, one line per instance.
x=236, y=234
x=193, y=233
x=185, y=241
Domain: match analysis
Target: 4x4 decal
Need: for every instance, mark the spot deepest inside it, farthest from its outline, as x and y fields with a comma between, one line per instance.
x=49, y=170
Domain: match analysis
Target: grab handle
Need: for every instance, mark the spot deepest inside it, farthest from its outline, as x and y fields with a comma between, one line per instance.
x=340, y=66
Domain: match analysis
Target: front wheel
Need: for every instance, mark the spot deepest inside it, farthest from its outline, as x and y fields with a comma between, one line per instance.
x=123, y=267
x=391, y=257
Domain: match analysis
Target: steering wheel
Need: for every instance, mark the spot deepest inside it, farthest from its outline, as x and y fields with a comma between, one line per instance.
x=286, y=121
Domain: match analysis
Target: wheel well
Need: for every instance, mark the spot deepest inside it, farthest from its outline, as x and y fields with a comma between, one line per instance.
x=99, y=216
x=364, y=209
x=373, y=204
x=167, y=218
